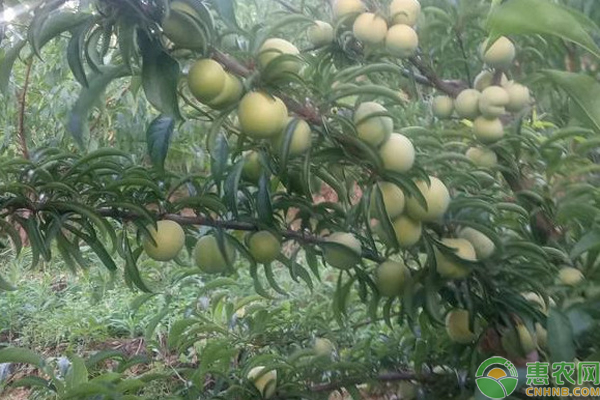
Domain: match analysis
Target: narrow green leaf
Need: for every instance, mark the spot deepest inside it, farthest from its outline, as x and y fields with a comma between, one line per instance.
x=126, y=35
x=219, y=157
x=263, y=201
x=7, y=60
x=153, y=323
x=20, y=355
x=95, y=245
x=87, y=390
x=271, y=279
x=131, y=268
x=583, y=90
x=78, y=117
x=75, y=53
x=590, y=241
x=158, y=137
x=231, y=187
x=58, y=21
x=31, y=382
x=516, y=17
x=346, y=90
x=5, y=286
x=560, y=337
x=77, y=373
x=160, y=76
x=226, y=10
x=41, y=14
x=14, y=235
x=103, y=355
x=177, y=329
x=258, y=287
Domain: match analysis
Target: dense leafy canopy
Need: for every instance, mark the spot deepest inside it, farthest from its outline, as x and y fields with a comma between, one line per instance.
x=110, y=124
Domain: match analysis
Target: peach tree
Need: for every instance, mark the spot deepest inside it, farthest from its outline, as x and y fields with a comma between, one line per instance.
x=440, y=159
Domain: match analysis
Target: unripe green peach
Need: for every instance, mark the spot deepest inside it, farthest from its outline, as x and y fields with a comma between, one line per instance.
x=437, y=199
x=184, y=7
x=373, y=130
x=500, y=54
x=405, y=11
x=261, y=115
x=393, y=200
x=208, y=255
x=265, y=383
x=397, y=153
x=466, y=103
x=408, y=231
x=442, y=106
x=342, y=8
x=482, y=157
x=570, y=276
x=252, y=168
x=231, y=93
x=518, y=95
x=271, y=49
x=485, y=79
x=482, y=244
x=401, y=41
x=301, y=138
x=206, y=79
x=323, y=347
x=493, y=101
x=391, y=277
x=533, y=297
x=457, y=326
x=449, y=268
x=541, y=335
x=342, y=257
x=169, y=238
x=264, y=246
x=370, y=28
x=488, y=130
x=526, y=339
x=320, y=33
x=178, y=24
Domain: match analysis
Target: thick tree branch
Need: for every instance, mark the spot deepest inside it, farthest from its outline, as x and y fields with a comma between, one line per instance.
x=231, y=64
x=296, y=235
x=22, y=104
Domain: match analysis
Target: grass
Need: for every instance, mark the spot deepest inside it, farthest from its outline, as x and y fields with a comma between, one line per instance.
x=56, y=313
x=51, y=307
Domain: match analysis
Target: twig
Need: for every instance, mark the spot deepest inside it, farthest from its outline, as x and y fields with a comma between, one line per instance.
x=461, y=45
x=22, y=104
x=289, y=7
x=311, y=114
x=436, y=81
x=420, y=79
